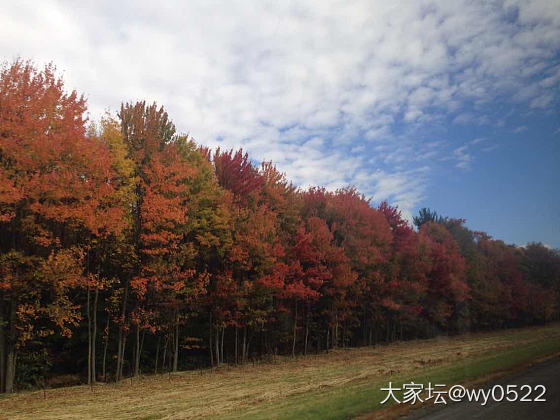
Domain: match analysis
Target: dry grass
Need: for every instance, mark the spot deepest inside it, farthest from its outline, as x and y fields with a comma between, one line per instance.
x=213, y=393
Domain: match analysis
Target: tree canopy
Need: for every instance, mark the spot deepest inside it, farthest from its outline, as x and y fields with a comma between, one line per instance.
x=126, y=247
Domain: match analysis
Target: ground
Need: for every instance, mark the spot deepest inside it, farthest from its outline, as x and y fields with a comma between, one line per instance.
x=342, y=384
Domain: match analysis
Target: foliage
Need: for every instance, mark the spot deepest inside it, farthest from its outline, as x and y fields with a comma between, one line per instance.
x=123, y=243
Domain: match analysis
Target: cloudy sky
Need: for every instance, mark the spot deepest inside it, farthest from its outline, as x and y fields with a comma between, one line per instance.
x=452, y=105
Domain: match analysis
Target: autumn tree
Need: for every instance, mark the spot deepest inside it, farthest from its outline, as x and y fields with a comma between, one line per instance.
x=124, y=237
x=447, y=288
x=365, y=236
x=406, y=277
x=54, y=195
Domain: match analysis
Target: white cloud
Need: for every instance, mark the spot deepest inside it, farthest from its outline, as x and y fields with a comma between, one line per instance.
x=490, y=148
x=520, y=129
x=463, y=118
x=317, y=87
x=478, y=140
x=463, y=157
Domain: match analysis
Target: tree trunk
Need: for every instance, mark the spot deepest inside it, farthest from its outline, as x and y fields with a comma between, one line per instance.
x=105, y=345
x=164, y=352
x=94, y=337
x=88, y=309
x=294, y=331
x=157, y=354
x=244, y=356
x=236, y=359
x=210, y=342
x=217, y=344
x=222, y=345
x=121, y=338
x=119, y=352
x=249, y=338
x=122, y=356
x=176, y=347
x=137, y=352
x=10, y=368
x=335, y=333
x=11, y=356
x=306, y=331
x=2, y=352
x=142, y=346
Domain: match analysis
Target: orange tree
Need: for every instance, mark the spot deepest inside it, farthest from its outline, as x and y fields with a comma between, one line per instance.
x=55, y=194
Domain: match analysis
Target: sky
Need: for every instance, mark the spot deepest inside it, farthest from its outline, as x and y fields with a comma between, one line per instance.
x=452, y=105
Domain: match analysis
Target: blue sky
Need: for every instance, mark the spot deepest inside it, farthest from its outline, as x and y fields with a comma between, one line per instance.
x=452, y=105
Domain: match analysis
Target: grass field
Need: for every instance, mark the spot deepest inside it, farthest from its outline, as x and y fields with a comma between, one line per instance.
x=340, y=385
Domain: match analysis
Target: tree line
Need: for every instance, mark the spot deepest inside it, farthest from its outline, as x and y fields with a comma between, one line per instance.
x=127, y=248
